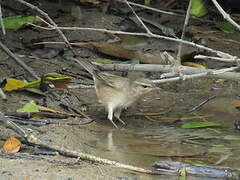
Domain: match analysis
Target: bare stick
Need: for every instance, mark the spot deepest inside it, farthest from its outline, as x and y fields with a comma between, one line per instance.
x=1, y=21
x=183, y=32
x=218, y=53
x=217, y=58
x=166, y=68
x=50, y=20
x=30, y=138
x=197, y=75
x=225, y=15
x=152, y=9
x=138, y=18
x=19, y=61
x=201, y=104
x=166, y=12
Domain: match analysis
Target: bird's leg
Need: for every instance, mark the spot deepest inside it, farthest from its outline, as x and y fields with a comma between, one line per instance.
x=110, y=115
x=117, y=114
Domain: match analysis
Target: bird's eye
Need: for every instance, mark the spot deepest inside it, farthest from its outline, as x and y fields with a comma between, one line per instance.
x=144, y=86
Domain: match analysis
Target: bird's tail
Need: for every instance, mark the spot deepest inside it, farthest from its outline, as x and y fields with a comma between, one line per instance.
x=88, y=66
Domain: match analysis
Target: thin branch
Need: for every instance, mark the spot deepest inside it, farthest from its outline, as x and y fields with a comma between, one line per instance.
x=216, y=58
x=19, y=61
x=225, y=15
x=201, y=104
x=138, y=18
x=218, y=53
x=32, y=139
x=167, y=68
x=50, y=20
x=197, y=75
x=166, y=12
x=1, y=21
x=183, y=32
x=152, y=9
x=2, y=94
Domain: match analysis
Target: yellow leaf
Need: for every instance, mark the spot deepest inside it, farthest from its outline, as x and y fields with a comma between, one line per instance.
x=14, y=84
x=193, y=65
x=12, y=145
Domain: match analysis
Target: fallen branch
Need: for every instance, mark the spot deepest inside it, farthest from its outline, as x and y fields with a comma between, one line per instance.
x=32, y=139
x=151, y=35
x=19, y=61
x=225, y=15
x=50, y=20
x=217, y=58
x=194, y=170
x=197, y=75
x=167, y=68
x=1, y=21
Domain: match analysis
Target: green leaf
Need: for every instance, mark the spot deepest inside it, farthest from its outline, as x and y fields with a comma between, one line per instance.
x=55, y=77
x=226, y=27
x=198, y=9
x=29, y=107
x=199, y=125
x=15, y=22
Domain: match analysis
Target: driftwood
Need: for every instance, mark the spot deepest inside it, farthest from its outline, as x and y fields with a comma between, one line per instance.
x=196, y=170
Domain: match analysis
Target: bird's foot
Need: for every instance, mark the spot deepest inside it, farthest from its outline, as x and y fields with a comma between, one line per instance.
x=119, y=119
x=114, y=124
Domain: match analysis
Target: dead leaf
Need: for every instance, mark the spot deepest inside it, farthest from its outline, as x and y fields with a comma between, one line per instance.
x=236, y=103
x=62, y=83
x=12, y=145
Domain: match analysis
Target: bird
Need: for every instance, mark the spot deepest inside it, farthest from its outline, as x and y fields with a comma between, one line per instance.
x=115, y=92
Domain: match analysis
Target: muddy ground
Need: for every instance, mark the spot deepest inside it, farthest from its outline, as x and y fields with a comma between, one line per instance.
x=145, y=139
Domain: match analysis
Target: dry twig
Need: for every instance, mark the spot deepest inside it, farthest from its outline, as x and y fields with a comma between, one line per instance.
x=19, y=61
x=197, y=75
x=167, y=68
x=165, y=12
x=183, y=32
x=1, y=21
x=30, y=138
x=50, y=20
x=237, y=60
x=215, y=52
x=225, y=15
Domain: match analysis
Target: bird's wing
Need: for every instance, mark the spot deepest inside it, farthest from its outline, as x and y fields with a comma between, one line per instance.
x=112, y=80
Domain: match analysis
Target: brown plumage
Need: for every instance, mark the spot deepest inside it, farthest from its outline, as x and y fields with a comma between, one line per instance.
x=115, y=92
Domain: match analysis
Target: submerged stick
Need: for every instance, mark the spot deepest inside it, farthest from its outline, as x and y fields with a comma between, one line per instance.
x=196, y=170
